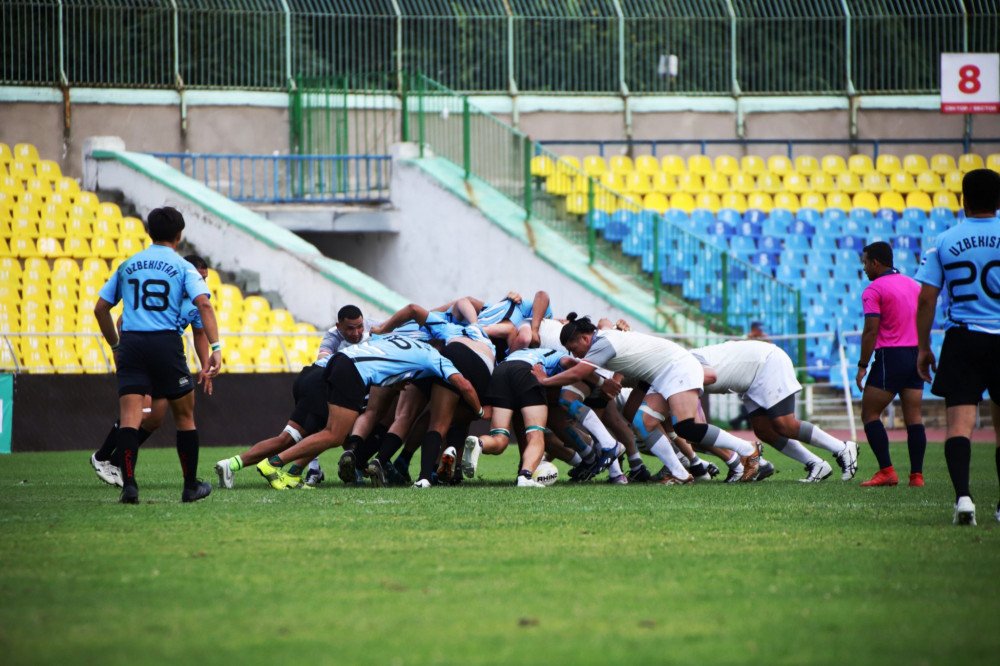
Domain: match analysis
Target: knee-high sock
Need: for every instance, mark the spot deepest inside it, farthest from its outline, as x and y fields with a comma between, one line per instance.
x=811, y=434
x=429, y=451
x=390, y=444
x=127, y=446
x=366, y=449
x=662, y=449
x=916, y=443
x=187, y=453
x=878, y=439
x=794, y=450
x=710, y=435
x=108, y=447
x=594, y=426
x=957, y=452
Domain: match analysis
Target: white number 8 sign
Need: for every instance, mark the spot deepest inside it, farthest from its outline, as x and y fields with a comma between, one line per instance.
x=970, y=82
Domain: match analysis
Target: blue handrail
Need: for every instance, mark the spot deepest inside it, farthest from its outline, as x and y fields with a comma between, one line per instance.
x=289, y=178
x=790, y=144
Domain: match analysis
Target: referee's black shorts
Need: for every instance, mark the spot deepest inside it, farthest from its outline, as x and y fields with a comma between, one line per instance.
x=152, y=363
x=513, y=386
x=969, y=365
x=895, y=369
x=309, y=392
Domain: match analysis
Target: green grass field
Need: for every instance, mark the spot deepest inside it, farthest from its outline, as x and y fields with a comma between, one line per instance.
x=771, y=572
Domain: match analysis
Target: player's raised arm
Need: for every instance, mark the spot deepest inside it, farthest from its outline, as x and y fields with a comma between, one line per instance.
x=400, y=317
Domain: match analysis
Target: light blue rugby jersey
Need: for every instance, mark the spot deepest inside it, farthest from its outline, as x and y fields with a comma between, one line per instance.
x=965, y=263
x=506, y=309
x=154, y=286
x=549, y=358
x=439, y=327
x=394, y=358
x=189, y=317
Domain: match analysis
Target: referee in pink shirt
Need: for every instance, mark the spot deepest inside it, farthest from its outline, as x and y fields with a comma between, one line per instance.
x=890, y=306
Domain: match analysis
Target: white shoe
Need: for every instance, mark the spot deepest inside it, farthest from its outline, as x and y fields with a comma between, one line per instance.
x=817, y=472
x=422, y=484
x=848, y=461
x=965, y=511
x=525, y=482
x=997, y=516
x=225, y=473
x=106, y=471
x=470, y=456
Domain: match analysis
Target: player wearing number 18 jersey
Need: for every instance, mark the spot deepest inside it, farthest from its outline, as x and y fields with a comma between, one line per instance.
x=965, y=261
x=156, y=286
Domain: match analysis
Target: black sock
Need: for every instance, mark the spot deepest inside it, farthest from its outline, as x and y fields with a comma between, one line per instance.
x=294, y=470
x=406, y=456
x=108, y=447
x=916, y=442
x=187, y=452
x=144, y=435
x=957, y=452
x=878, y=439
x=353, y=442
x=275, y=461
x=429, y=451
x=127, y=449
x=390, y=444
x=456, y=436
x=364, y=451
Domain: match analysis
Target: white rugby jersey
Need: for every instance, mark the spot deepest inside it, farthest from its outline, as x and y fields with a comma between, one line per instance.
x=548, y=333
x=735, y=362
x=636, y=355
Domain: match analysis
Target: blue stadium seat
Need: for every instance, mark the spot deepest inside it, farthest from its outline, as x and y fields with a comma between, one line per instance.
x=793, y=257
x=764, y=260
x=915, y=215
x=730, y=216
x=754, y=216
x=676, y=216
x=936, y=224
x=711, y=304
x=620, y=225
x=774, y=226
x=787, y=272
x=882, y=228
x=749, y=229
x=810, y=216
x=770, y=244
x=720, y=229
x=832, y=223
x=856, y=243
x=908, y=226
x=824, y=243
x=701, y=218
x=599, y=219
x=802, y=228
x=798, y=242
x=742, y=244
x=942, y=215
x=673, y=275
x=859, y=222
x=887, y=214
x=911, y=243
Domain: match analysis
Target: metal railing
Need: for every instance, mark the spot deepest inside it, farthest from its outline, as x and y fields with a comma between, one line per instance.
x=289, y=178
x=619, y=47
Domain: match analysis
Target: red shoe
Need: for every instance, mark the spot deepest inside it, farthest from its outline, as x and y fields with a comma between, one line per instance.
x=884, y=477
x=917, y=480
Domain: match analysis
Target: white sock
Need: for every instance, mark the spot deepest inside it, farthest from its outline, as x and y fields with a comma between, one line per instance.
x=733, y=462
x=742, y=447
x=694, y=460
x=794, y=450
x=314, y=464
x=817, y=437
x=575, y=460
x=662, y=450
x=615, y=469
x=597, y=430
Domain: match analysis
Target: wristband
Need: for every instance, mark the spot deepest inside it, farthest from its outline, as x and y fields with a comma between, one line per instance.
x=482, y=412
x=215, y=346
x=600, y=381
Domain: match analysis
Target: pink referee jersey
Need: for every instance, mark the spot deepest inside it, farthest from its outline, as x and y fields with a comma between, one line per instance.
x=893, y=297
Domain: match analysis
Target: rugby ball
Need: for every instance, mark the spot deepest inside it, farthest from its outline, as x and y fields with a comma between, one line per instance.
x=546, y=473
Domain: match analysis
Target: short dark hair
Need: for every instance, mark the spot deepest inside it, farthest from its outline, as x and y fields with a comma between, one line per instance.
x=981, y=191
x=575, y=326
x=879, y=251
x=348, y=312
x=756, y=324
x=164, y=223
x=197, y=262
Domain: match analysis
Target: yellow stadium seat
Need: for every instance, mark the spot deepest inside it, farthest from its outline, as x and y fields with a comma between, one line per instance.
x=559, y=184
x=67, y=187
x=833, y=164
x=26, y=152
x=918, y=199
x=82, y=211
x=282, y=320
x=760, y=201
x=866, y=200
x=875, y=182
x=892, y=201
x=717, y=183
x=542, y=166
x=795, y=182
x=21, y=171
x=839, y=200
x=942, y=164
x=930, y=182
x=213, y=280
x=708, y=201
x=735, y=200
x=129, y=245
x=613, y=181
x=860, y=164
x=24, y=226
x=813, y=200
x=915, y=164
x=822, y=182
x=752, y=164
x=947, y=200
x=970, y=161
x=103, y=247
x=23, y=247
x=36, y=190
x=8, y=291
x=621, y=164
x=656, y=201
x=787, y=200
x=690, y=183
x=638, y=183
x=577, y=204
x=647, y=164
x=674, y=165
x=848, y=182
x=770, y=183
x=993, y=162
x=6, y=155
x=65, y=268
x=665, y=183
x=95, y=266
x=779, y=165
x=81, y=228
x=104, y=226
x=77, y=247
x=36, y=269
x=744, y=182
x=888, y=164
x=682, y=201
x=605, y=200
x=52, y=227
x=902, y=182
x=953, y=181
x=594, y=165
x=48, y=171
x=255, y=304
x=727, y=164
x=699, y=164
x=49, y=247
x=65, y=293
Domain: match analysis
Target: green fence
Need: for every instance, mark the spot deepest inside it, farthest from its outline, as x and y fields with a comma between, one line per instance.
x=636, y=47
x=686, y=274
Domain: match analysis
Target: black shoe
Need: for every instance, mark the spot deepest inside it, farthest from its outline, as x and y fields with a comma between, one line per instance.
x=766, y=469
x=392, y=475
x=639, y=474
x=200, y=490
x=375, y=472
x=346, y=469
x=130, y=494
x=314, y=477
x=403, y=469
